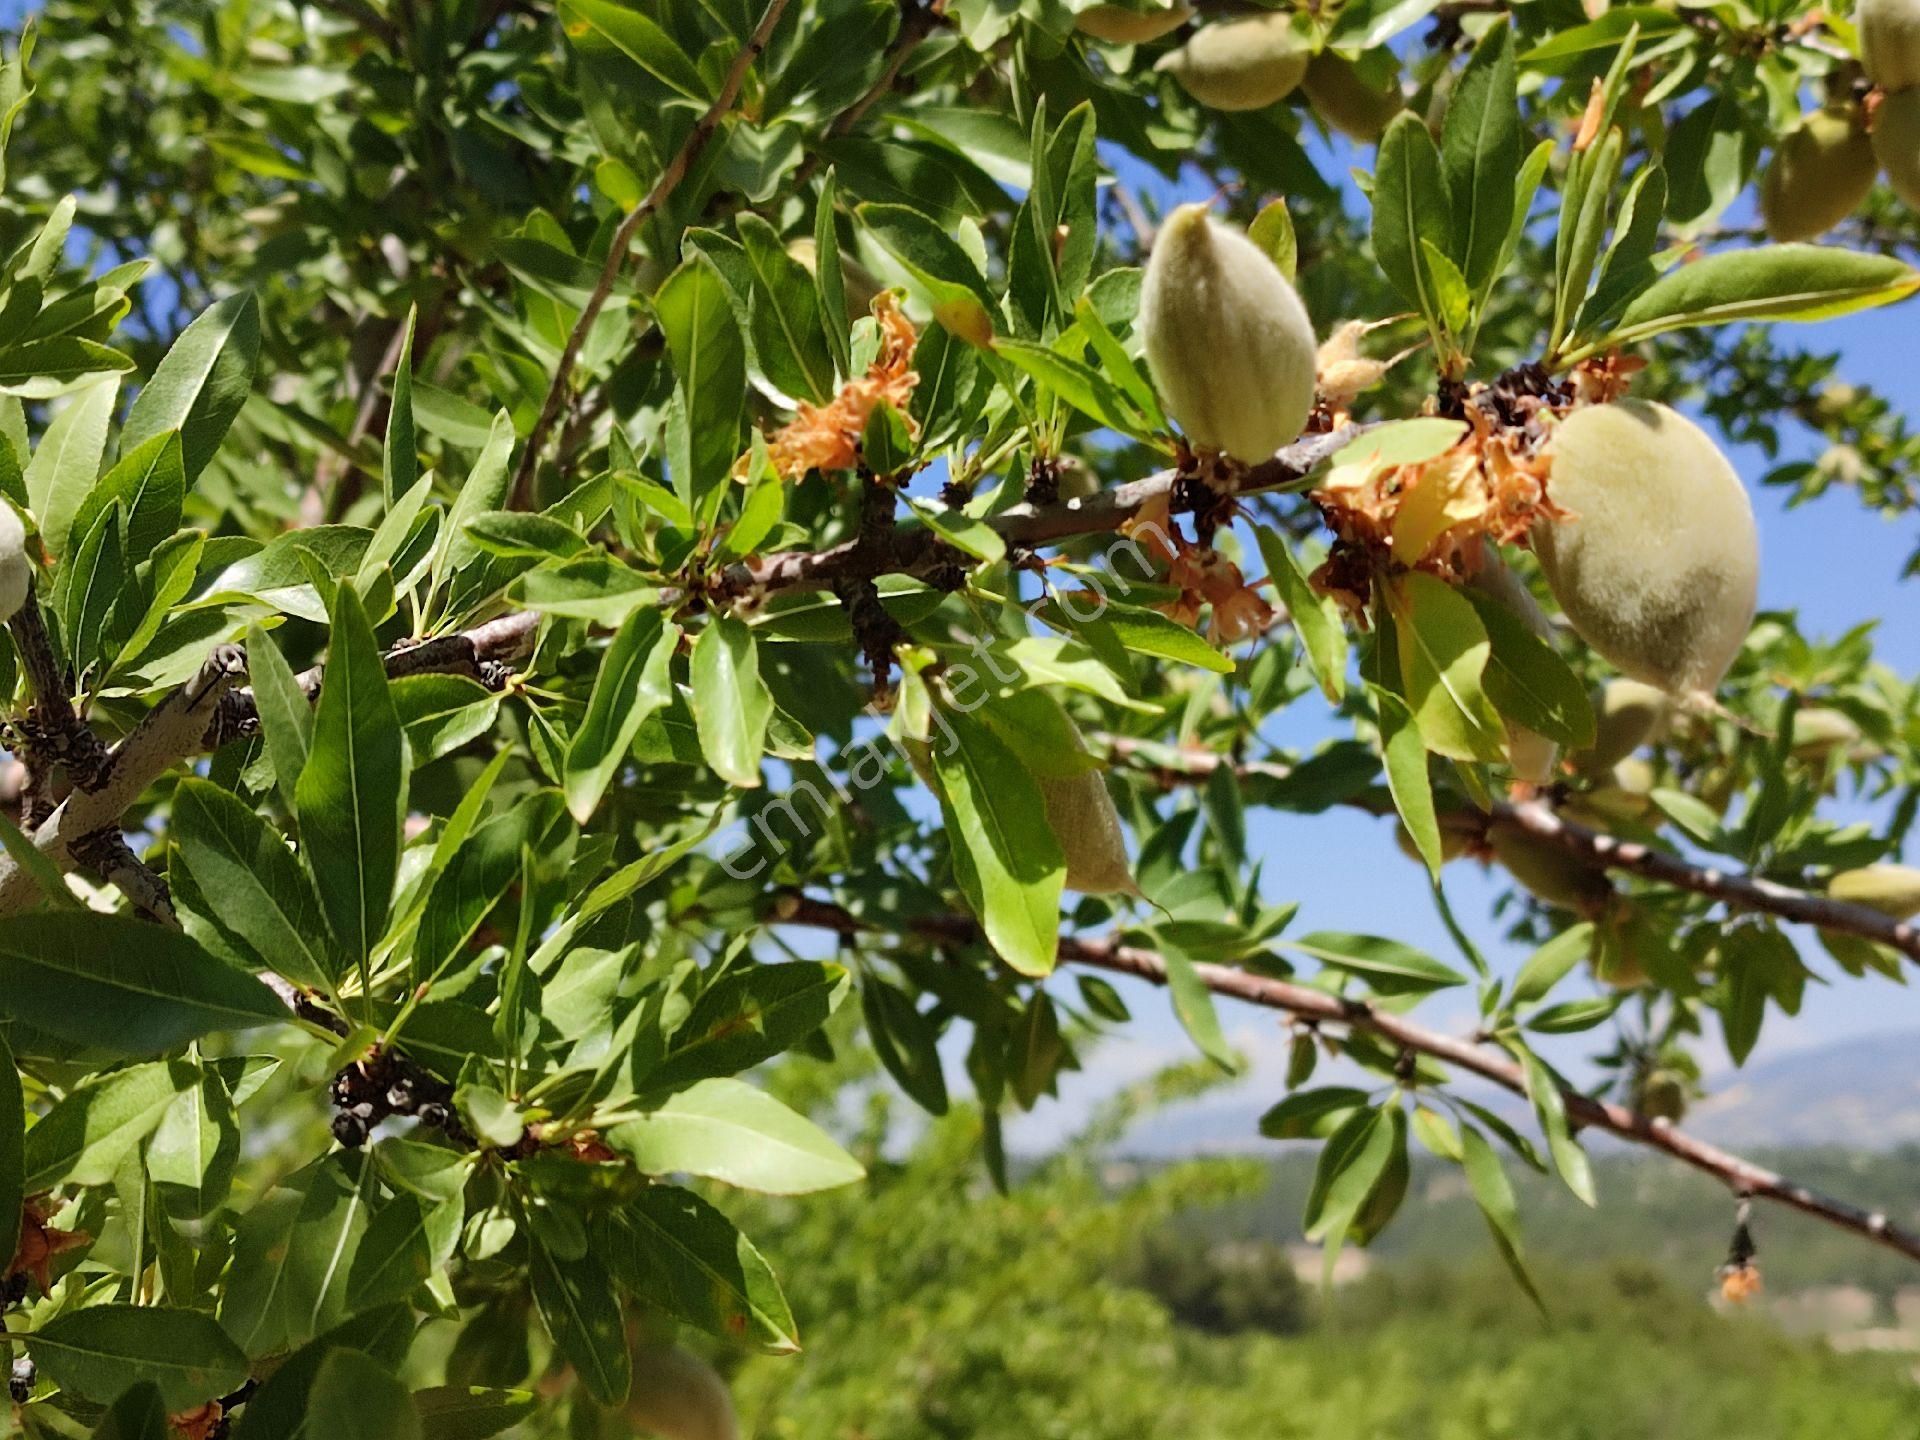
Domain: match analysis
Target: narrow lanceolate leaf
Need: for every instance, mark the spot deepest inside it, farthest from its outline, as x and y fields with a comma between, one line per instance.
x=1005, y=856
x=1772, y=282
x=673, y=1250
x=1193, y=1004
x=1528, y=682
x=400, y=453
x=246, y=873
x=1392, y=968
x=120, y=986
x=1550, y=964
x=1480, y=154
x=1550, y=1105
x=634, y=681
x=148, y=484
x=906, y=1042
x=1493, y=1192
x=731, y=706
x=286, y=715
x=354, y=1397
x=726, y=1130
x=640, y=39
x=1351, y=1163
x=1443, y=654
x=471, y=1412
x=1323, y=639
x=13, y=1159
x=582, y=1314
x=66, y=462
x=829, y=280
x=293, y=1253
x=710, y=379
x=749, y=1016
x=1404, y=758
x=200, y=386
x=138, y=1414
x=1410, y=204
x=83, y=1139
x=787, y=335
x=98, y=1352
x=351, y=794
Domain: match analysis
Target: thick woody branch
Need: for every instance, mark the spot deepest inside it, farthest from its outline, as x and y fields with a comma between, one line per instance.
x=109, y=856
x=663, y=188
x=1742, y=1176
x=172, y=730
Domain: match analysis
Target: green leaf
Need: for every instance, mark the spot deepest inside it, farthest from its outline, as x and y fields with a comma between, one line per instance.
x=440, y=713
x=1550, y=1106
x=1550, y=964
x=1323, y=638
x=192, y=1154
x=1443, y=654
x=352, y=791
x=710, y=375
x=1772, y=282
x=582, y=1314
x=1528, y=682
x=906, y=1041
x=1005, y=856
x=592, y=587
x=952, y=282
x=410, y=1240
x=485, y=490
x=726, y=1130
x=470, y=1412
x=100, y=1351
x=245, y=871
x=671, y=1249
x=1480, y=154
x=962, y=531
x=66, y=462
x=748, y=1016
x=479, y=873
x=286, y=715
x=1405, y=759
x=1389, y=966
x=1073, y=381
x=1493, y=1193
x=633, y=682
x=200, y=386
x=83, y=1139
x=787, y=335
x=731, y=705
x=1272, y=231
x=400, y=450
x=148, y=484
x=1597, y=170
x=1351, y=1164
x=640, y=39
x=137, y=1415
x=354, y=1397
x=121, y=986
x=292, y=1253
x=43, y=368
x=13, y=1160
x=1410, y=205
x=829, y=281
x=1193, y=1004
x=1312, y=1114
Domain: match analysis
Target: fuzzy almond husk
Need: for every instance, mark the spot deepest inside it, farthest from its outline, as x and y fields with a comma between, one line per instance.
x=1630, y=714
x=1342, y=97
x=1227, y=339
x=1893, y=890
x=1240, y=64
x=1118, y=25
x=1821, y=174
x=16, y=569
x=1083, y=819
x=1820, y=730
x=1656, y=563
x=1890, y=42
x=1549, y=873
x=678, y=1396
x=1896, y=143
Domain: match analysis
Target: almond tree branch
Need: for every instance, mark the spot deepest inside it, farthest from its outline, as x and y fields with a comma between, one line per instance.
x=1742, y=1176
x=1602, y=852
x=663, y=188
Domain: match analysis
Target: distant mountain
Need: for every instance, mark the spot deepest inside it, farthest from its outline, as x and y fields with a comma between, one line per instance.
x=1857, y=1094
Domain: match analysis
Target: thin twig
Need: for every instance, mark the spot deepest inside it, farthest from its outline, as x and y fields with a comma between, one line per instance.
x=663, y=188
x=1742, y=1176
